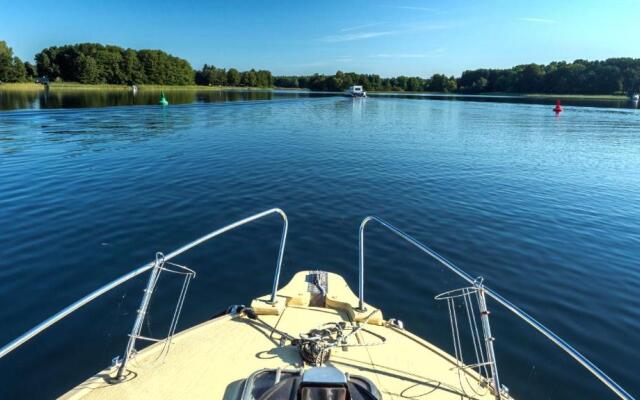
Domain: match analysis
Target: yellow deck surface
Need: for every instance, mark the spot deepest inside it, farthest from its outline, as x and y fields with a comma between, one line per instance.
x=211, y=360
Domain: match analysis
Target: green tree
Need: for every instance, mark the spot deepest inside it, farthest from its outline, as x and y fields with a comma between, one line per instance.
x=264, y=78
x=480, y=85
x=132, y=68
x=439, y=83
x=233, y=77
x=203, y=77
x=286, y=82
x=113, y=65
x=30, y=70
x=451, y=85
x=249, y=78
x=45, y=65
x=87, y=69
x=18, y=71
x=530, y=78
x=11, y=68
x=414, y=84
x=220, y=77
x=210, y=75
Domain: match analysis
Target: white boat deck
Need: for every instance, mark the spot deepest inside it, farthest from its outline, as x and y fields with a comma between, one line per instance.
x=211, y=360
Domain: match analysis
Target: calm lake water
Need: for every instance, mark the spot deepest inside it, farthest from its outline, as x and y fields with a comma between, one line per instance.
x=15, y=100
x=545, y=208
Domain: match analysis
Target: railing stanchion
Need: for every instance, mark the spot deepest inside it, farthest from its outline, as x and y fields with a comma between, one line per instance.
x=488, y=339
x=361, y=265
x=566, y=347
x=142, y=311
x=283, y=239
x=31, y=333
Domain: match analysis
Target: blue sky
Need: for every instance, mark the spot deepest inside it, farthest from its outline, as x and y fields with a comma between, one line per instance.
x=409, y=37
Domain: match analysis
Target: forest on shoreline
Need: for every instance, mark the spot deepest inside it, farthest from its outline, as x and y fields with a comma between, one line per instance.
x=92, y=63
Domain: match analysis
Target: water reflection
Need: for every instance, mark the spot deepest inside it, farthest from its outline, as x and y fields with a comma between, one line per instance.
x=45, y=99
x=543, y=207
x=95, y=131
x=358, y=105
x=582, y=102
x=14, y=100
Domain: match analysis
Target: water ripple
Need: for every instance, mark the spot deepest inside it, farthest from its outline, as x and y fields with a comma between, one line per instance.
x=544, y=208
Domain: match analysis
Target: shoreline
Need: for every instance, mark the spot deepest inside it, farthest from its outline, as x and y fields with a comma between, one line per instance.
x=541, y=96
x=552, y=96
x=73, y=86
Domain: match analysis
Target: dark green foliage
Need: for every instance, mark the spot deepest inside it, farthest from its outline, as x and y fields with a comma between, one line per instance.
x=30, y=70
x=131, y=67
x=12, y=69
x=249, y=78
x=342, y=80
x=441, y=83
x=286, y=82
x=233, y=77
x=95, y=63
x=86, y=69
x=212, y=76
x=264, y=78
x=163, y=69
x=611, y=76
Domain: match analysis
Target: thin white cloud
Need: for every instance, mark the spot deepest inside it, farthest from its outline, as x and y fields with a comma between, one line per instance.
x=385, y=55
x=358, y=27
x=312, y=64
x=348, y=37
x=326, y=63
x=537, y=20
x=416, y=8
x=433, y=53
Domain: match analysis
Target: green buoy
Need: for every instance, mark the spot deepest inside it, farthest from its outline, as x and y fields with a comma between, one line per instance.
x=163, y=99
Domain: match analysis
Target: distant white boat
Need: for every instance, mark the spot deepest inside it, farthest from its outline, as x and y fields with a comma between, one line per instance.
x=356, y=91
x=635, y=97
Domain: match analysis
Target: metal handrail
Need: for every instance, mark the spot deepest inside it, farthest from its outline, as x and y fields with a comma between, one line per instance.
x=20, y=340
x=582, y=360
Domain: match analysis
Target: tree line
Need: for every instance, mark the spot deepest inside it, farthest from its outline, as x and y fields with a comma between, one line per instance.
x=342, y=80
x=12, y=69
x=95, y=63
x=611, y=76
x=212, y=76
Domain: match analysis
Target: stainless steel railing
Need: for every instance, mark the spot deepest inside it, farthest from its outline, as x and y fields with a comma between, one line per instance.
x=22, y=339
x=581, y=359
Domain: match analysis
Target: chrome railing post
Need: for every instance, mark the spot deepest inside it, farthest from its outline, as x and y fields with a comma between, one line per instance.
x=31, y=333
x=142, y=312
x=488, y=339
x=361, y=264
x=283, y=239
x=566, y=347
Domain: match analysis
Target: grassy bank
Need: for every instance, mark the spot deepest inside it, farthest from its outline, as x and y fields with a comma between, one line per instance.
x=541, y=96
x=554, y=96
x=21, y=87
x=576, y=96
x=73, y=86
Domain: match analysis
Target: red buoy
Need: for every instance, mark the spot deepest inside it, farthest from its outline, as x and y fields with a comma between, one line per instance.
x=558, y=107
